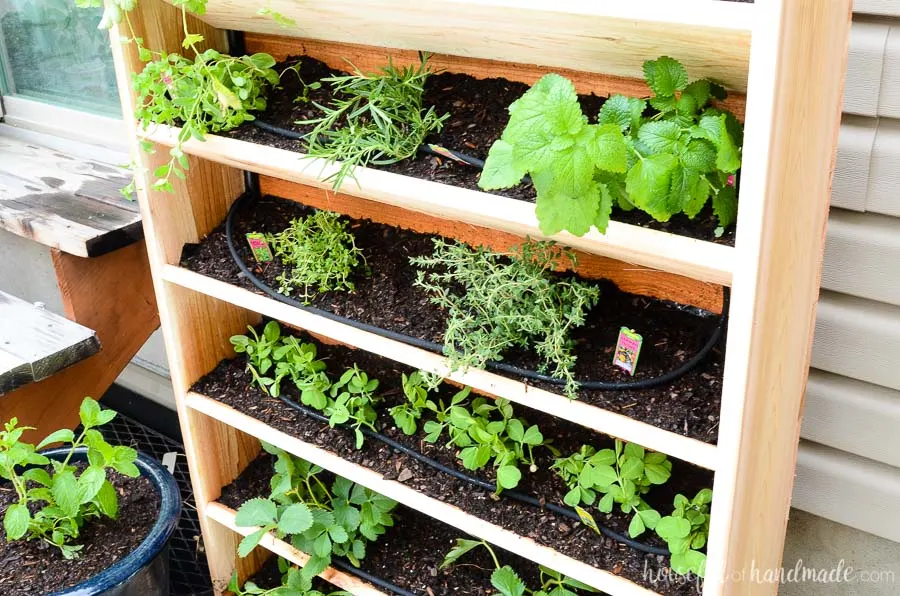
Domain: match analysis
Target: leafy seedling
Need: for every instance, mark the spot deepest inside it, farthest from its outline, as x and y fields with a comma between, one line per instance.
x=686, y=531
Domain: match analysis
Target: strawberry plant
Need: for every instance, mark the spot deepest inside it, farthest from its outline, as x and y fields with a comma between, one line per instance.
x=318, y=253
x=621, y=475
x=496, y=302
x=291, y=584
x=508, y=583
x=685, y=532
x=675, y=159
x=54, y=498
x=317, y=520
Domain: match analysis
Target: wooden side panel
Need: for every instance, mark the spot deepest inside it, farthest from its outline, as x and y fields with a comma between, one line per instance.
x=612, y=37
x=630, y=278
x=339, y=56
x=793, y=114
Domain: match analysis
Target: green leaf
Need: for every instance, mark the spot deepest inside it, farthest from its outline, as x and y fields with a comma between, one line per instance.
x=65, y=492
x=673, y=527
x=657, y=473
x=621, y=110
x=648, y=184
x=90, y=482
x=533, y=436
x=633, y=468
x=462, y=547
x=262, y=61
x=650, y=517
x=699, y=155
x=607, y=147
x=665, y=75
x=508, y=476
x=689, y=562
x=63, y=435
x=699, y=90
x=660, y=137
x=725, y=205
x=16, y=521
x=715, y=130
x=557, y=211
x=256, y=512
x=636, y=527
x=573, y=497
x=606, y=503
x=602, y=475
x=38, y=476
x=89, y=412
x=105, y=416
x=191, y=39
x=107, y=500
x=507, y=582
x=322, y=546
x=338, y=534
x=601, y=220
x=249, y=542
x=296, y=519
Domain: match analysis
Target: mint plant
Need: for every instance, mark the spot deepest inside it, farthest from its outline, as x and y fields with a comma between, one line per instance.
x=672, y=161
x=496, y=302
x=508, y=583
x=54, y=504
x=686, y=531
x=373, y=118
x=622, y=476
x=316, y=520
x=319, y=255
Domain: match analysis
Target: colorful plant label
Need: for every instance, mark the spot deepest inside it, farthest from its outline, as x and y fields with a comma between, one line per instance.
x=628, y=348
x=261, y=251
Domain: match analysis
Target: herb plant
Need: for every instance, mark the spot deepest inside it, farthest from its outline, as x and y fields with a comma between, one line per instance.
x=373, y=118
x=318, y=521
x=672, y=161
x=495, y=302
x=508, y=583
x=686, y=531
x=406, y=415
x=260, y=350
x=319, y=255
x=54, y=505
x=352, y=400
x=291, y=584
x=622, y=476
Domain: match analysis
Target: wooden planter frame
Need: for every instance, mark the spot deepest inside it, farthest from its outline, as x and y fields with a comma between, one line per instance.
x=786, y=55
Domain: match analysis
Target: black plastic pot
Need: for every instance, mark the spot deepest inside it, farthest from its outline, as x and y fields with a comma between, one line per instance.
x=145, y=571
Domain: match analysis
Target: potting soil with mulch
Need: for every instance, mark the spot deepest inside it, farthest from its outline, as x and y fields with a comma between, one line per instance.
x=230, y=382
x=33, y=567
x=387, y=298
x=478, y=115
x=411, y=551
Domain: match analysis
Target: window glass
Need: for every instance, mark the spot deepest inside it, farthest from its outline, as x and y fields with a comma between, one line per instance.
x=53, y=52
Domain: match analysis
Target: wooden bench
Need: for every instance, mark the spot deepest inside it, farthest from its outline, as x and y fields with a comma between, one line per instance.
x=71, y=204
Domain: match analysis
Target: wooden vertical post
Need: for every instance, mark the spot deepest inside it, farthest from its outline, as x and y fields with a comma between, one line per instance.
x=793, y=114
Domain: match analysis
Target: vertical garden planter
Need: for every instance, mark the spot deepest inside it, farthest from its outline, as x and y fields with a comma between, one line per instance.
x=778, y=60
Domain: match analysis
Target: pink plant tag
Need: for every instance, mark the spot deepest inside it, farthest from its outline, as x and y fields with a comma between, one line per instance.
x=628, y=348
x=261, y=251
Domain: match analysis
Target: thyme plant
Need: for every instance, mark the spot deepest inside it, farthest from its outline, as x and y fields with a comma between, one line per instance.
x=373, y=118
x=495, y=302
x=319, y=255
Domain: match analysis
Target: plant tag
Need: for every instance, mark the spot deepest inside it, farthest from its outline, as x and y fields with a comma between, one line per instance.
x=587, y=519
x=628, y=348
x=261, y=251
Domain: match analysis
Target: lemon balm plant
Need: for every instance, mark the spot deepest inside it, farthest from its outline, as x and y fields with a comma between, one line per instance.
x=54, y=498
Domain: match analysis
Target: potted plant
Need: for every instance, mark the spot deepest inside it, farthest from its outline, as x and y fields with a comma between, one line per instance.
x=97, y=517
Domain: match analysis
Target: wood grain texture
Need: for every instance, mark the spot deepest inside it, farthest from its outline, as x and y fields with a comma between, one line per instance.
x=449, y=514
x=123, y=315
x=43, y=341
x=697, y=452
x=630, y=278
x=793, y=116
x=64, y=201
x=371, y=59
x=226, y=517
x=610, y=37
x=688, y=257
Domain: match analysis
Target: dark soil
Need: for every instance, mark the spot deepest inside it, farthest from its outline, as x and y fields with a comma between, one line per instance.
x=388, y=299
x=478, y=115
x=229, y=383
x=30, y=568
x=411, y=552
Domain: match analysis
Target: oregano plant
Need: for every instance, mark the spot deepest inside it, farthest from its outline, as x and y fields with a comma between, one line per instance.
x=54, y=499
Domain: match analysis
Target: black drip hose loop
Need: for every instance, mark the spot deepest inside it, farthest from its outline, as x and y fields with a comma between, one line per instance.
x=439, y=349
x=348, y=568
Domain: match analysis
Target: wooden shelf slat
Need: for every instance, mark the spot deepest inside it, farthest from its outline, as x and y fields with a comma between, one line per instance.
x=225, y=516
x=612, y=37
x=449, y=514
x=697, y=259
x=696, y=452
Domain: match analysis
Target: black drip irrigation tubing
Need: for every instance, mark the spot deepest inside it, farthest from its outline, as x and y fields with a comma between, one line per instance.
x=439, y=349
x=372, y=579
x=483, y=484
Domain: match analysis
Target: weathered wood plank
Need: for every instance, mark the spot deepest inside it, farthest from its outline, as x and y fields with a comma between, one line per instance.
x=64, y=201
x=42, y=341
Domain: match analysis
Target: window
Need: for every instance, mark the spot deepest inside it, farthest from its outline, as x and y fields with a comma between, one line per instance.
x=52, y=52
